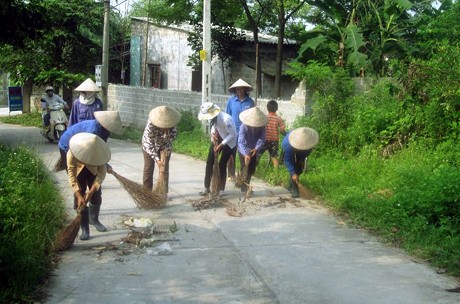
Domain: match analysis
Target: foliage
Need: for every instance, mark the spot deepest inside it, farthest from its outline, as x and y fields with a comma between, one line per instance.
x=33, y=119
x=21, y=21
x=410, y=199
x=31, y=212
x=67, y=44
x=363, y=34
x=191, y=139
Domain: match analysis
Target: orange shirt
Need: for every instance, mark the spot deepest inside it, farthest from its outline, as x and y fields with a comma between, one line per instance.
x=274, y=127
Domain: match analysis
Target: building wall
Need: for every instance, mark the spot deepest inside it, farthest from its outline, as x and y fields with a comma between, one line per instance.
x=135, y=103
x=168, y=46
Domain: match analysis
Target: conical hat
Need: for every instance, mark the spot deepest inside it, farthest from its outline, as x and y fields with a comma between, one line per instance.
x=110, y=120
x=208, y=110
x=254, y=117
x=303, y=138
x=89, y=149
x=164, y=117
x=240, y=83
x=88, y=86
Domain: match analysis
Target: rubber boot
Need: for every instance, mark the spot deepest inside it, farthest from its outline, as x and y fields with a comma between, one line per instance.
x=94, y=218
x=295, y=190
x=84, y=225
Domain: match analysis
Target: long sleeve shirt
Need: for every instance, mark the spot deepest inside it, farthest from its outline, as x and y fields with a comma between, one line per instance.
x=225, y=127
x=292, y=156
x=155, y=140
x=74, y=168
x=52, y=101
x=81, y=112
x=88, y=126
x=250, y=138
x=236, y=106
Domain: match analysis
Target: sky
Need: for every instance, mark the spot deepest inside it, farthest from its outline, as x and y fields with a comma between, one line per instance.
x=122, y=5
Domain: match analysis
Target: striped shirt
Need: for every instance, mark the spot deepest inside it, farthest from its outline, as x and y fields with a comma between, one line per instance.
x=274, y=127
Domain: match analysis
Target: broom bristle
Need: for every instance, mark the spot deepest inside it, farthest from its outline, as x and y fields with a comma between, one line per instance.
x=215, y=179
x=160, y=188
x=67, y=235
x=241, y=177
x=305, y=193
x=59, y=165
x=142, y=196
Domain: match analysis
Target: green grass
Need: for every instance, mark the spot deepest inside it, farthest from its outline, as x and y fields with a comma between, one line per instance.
x=33, y=119
x=31, y=213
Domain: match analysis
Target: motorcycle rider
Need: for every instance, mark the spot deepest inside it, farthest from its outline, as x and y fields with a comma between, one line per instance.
x=48, y=101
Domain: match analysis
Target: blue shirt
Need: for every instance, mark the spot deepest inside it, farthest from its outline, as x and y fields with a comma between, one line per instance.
x=291, y=155
x=235, y=107
x=81, y=112
x=88, y=126
x=250, y=138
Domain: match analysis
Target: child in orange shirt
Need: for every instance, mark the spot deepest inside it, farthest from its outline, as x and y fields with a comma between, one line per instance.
x=273, y=129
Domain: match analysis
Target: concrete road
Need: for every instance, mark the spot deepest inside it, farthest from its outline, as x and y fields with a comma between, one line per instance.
x=278, y=251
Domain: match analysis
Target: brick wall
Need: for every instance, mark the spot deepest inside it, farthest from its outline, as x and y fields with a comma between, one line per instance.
x=135, y=103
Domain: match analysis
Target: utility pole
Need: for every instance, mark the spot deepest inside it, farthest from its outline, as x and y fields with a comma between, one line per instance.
x=205, y=53
x=105, y=53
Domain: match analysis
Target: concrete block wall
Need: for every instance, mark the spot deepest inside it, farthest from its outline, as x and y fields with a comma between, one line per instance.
x=135, y=103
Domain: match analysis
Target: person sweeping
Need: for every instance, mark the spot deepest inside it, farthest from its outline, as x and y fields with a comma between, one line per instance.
x=297, y=145
x=86, y=169
x=159, y=133
x=251, y=140
x=223, y=142
x=106, y=122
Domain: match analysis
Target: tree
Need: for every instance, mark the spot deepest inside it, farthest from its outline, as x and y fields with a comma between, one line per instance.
x=286, y=9
x=63, y=51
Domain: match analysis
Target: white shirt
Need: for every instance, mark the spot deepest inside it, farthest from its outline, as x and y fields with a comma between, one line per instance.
x=226, y=128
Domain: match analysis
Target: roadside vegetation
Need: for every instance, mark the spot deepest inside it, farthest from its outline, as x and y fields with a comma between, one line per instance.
x=31, y=213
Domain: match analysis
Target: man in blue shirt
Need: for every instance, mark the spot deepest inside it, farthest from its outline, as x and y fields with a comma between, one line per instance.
x=297, y=145
x=237, y=103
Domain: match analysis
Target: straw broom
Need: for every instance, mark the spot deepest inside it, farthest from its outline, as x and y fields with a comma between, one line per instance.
x=60, y=164
x=142, y=196
x=215, y=179
x=161, y=186
x=305, y=193
x=241, y=177
x=67, y=235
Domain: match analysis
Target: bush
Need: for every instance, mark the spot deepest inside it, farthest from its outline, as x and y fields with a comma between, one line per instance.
x=31, y=213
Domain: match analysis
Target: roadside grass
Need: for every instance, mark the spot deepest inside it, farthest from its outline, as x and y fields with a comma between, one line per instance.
x=33, y=119
x=409, y=200
x=31, y=213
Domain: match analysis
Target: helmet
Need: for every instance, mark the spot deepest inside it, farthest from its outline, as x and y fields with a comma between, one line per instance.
x=49, y=88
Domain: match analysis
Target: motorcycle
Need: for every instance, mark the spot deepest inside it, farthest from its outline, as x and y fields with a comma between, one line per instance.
x=58, y=123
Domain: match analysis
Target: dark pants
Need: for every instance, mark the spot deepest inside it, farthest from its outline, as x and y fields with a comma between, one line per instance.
x=251, y=167
x=46, y=119
x=226, y=152
x=149, y=168
x=63, y=157
x=85, y=180
x=299, y=164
